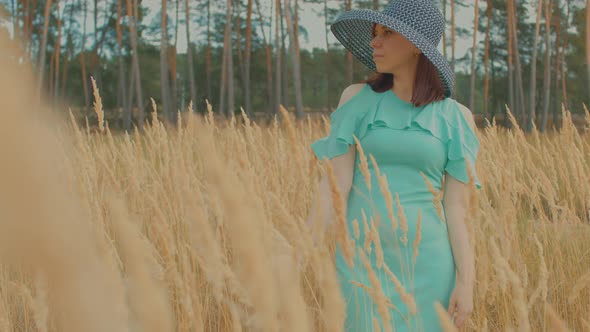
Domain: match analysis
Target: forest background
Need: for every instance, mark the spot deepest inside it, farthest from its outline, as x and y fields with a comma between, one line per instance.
x=529, y=55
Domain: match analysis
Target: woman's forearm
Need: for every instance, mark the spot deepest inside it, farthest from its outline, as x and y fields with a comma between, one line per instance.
x=322, y=208
x=459, y=237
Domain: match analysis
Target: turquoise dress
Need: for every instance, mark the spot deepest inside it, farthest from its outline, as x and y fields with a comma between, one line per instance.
x=405, y=141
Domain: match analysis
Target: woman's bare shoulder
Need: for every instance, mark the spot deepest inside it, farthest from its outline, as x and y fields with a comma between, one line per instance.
x=468, y=115
x=349, y=92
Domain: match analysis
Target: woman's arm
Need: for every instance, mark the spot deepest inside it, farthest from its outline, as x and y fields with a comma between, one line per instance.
x=322, y=210
x=455, y=208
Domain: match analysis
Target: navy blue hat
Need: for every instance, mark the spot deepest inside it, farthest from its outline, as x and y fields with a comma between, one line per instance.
x=419, y=21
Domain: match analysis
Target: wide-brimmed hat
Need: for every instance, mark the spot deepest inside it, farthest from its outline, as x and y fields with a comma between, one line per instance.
x=419, y=21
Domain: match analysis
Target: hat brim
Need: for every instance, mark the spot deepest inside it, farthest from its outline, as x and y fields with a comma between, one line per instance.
x=353, y=30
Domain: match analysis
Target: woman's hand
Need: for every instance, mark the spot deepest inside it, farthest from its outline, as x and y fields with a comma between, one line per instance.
x=461, y=302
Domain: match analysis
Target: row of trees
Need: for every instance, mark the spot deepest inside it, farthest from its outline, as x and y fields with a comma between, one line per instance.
x=246, y=53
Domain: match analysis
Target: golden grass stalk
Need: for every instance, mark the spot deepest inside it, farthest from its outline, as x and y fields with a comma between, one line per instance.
x=555, y=322
x=342, y=234
x=4, y=318
x=376, y=326
x=98, y=105
x=148, y=297
x=384, y=187
x=407, y=298
x=355, y=229
x=377, y=242
x=437, y=198
x=403, y=221
x=541, y=289
x=579, y=285
x=376, y=292
x=368, y=235
x=364, y=165
x=418, y=237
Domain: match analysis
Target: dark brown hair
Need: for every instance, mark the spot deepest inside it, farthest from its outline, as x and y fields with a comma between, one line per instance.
x=427, y=84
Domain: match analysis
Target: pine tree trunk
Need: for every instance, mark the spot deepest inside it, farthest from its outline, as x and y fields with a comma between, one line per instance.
x=83, y=60
x=136, y=70
x=69, y=52
x=511, y=100
x=294, y=60
x=375, y=4
x=30, y=29
x=494, y=104
x=278, y=66
x=224, y=80
x=556, y=109
x=453, y=44
x=230, y=68
x=50, y=80
x=64, y=72
x=130, y=94
x=519, y=84
x=93, y=59
x=14, y=17
x=564, y=47
x=164, y=82
x=547, y=73
x=189, y=57
x=284, y=67
x=57, y=54
x=41, y=64
x=208, y=56
x=16, y=14
x=327, y=65
x=486, y=88
x=473, y=55
x=22, y=34
x=533, y=81
x=172, y=68
x=297, y=48
x=239, y=50
x=268, y=52
x=349, y=60
x=247, y=93
x=588, y=48
x=296, y=24
x=122, y=91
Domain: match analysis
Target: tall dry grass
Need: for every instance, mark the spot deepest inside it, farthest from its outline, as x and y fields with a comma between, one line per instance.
x=201, y=227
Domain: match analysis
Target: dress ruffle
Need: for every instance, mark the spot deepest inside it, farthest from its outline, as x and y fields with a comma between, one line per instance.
x=443, y=120
x=344, y=123
x=463, y=147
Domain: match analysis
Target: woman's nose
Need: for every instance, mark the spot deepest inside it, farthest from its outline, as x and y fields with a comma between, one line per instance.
x=375, y=42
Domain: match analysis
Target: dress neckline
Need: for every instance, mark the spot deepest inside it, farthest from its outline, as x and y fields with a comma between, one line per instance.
x=400, y=101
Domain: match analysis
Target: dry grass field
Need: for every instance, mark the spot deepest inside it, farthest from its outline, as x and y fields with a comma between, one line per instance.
x=199, y=227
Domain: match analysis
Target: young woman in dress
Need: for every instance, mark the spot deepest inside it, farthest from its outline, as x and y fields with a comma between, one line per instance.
x=404, y=117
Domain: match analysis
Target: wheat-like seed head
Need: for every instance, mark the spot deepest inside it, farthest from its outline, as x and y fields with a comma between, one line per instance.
x=418, y=236
x=364, y=165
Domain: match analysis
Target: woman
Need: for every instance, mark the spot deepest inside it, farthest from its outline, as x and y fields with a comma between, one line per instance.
x=405, y=119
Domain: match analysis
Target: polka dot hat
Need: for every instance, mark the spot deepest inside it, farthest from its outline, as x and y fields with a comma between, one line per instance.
x=419, y=21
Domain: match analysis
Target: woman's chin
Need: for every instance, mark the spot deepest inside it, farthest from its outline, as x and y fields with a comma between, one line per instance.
x=381, y=70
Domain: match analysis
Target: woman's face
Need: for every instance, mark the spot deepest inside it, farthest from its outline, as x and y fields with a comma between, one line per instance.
x=391, y=50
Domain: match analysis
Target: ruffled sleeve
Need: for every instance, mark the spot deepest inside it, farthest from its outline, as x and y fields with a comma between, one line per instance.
x=344, y=123
x=463, y=147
